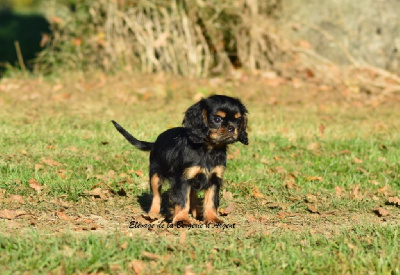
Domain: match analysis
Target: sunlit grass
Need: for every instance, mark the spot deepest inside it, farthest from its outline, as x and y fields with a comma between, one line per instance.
x=303, y=196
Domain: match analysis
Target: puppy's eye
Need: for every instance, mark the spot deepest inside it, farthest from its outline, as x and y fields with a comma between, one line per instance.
x=217, y=119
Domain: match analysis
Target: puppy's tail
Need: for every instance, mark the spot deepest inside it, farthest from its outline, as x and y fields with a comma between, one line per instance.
x=142, y=145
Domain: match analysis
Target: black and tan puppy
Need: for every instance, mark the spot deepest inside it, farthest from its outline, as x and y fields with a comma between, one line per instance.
x=193, y=157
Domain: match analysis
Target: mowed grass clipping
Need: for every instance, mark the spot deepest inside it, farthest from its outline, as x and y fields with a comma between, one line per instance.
x=316, y=191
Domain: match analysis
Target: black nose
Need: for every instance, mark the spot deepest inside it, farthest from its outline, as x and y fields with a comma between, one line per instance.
x=230, y=128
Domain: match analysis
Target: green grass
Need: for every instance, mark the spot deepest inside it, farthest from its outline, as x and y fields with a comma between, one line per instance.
x=68, y=145
x=358, y=250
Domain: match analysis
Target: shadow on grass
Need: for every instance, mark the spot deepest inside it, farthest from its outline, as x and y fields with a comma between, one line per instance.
x=145, y=203
x=27, y=29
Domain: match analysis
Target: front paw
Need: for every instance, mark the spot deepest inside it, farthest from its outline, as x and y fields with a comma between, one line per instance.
x=181, y=216
x=181, y=220
x=211, y=218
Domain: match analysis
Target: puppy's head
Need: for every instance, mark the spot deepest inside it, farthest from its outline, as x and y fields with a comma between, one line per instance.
x=217, y=120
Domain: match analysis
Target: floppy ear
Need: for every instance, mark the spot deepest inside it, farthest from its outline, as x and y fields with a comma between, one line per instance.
x=195, y=121
x=243, y=134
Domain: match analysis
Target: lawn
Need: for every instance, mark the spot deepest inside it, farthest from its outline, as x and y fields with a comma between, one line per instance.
x=315, y=191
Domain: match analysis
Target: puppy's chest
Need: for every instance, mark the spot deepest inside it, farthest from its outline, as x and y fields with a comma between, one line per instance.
x=205, y=163
x=195, y=171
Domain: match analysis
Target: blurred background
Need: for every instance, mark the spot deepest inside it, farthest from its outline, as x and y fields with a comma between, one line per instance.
x=329, y=40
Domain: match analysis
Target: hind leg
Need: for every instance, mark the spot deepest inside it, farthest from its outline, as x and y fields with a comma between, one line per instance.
x=155, y=187
x=194, y=203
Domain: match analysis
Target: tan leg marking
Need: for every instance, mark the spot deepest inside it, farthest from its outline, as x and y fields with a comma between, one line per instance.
x=210, y=211
x=193, y=203
x=218, y=171
x=181, y=214
x=191, y=172
x=155, y=183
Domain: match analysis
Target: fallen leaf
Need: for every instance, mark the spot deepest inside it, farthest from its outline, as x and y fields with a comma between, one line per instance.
x=38, y=167
x=381, y=212
x=11, y=214
x=311, y=198
x=357, y=161
x=290, y=182
x=51, y=162
x=73, y=149
x=313, y=146
x=273, y=205
x=251, y=218
x=362, y=170
x=97, y=193
x=345, y=152
x=35, y=185
x=141, y=220
x=352, y=246
x=382, y=159
x=67, y=251
x=304, y=44
x=153, y=256
x=384, y=190
x=282, y=214
x=115, y=268
x=77, y=41
x=111, y=174
x=355, y=193
x=257, y=194
x=394, y=201
x=280, y=170
x=227, y=210
x=61, y=173
x=62, y=216
x=234, y=154
x=188, y=270
x=209, y=267
x=312, y=208
x=315, y=178
x=87, y=135
x=138, y=173
x=124, y=245
x=137, y=266
x=321, y=129
x=151, y=217
x=338, y=191
x=17, y=198
x=383, y=147
x=227, y=195
x=375, y=182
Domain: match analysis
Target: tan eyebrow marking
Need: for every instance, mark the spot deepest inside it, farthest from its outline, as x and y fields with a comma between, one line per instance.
x=221, y=114
x=237, y=115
